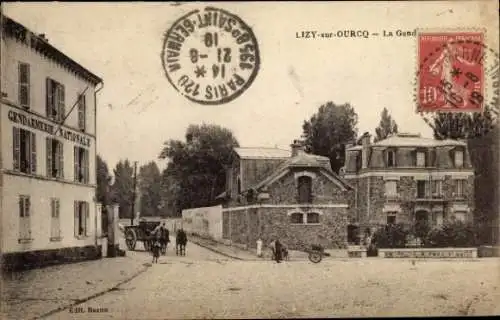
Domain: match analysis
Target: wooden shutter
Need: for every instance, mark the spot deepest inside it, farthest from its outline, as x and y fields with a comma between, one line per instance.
x=33, y=152
x=16, y=145
x=86, y=165
x=87, y=220
x=75, y=204
x=24, y=84
x=62, y=107
x=48, y=142
x=81, y=112
x=49, y=104
x=60, y=159
x=75, y=152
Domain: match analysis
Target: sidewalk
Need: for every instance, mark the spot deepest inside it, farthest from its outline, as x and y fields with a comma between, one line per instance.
x=237, y=253
x=232, y=252
x=35, y=293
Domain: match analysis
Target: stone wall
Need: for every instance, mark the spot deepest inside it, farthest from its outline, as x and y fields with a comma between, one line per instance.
x=324, y=191
x=271, y=222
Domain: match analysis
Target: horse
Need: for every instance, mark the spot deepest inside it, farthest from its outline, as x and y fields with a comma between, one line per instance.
x=180, y=243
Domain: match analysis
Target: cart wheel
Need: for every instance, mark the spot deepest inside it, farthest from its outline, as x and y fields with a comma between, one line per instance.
x=315, y=257
x=130, y=239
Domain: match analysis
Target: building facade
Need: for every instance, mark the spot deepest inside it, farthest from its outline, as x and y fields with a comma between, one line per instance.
x=291, y=196
x=410, y=180
x=48, y=151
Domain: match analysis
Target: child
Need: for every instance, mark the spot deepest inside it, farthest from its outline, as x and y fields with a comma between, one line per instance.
x=156, y=250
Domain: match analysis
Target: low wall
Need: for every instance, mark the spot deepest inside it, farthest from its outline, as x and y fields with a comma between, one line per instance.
x=36, y=259
x=205, y=221
x=428, y=253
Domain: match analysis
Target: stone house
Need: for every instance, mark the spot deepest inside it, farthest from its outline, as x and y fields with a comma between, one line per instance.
x=292, y=196
x=409, y=179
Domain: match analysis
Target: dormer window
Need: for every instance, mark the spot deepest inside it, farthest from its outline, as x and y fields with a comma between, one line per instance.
x=391, y=158
x=305, y=189
x=458, y=158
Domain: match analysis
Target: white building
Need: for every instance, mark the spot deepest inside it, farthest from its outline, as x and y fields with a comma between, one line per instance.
x=48, y=151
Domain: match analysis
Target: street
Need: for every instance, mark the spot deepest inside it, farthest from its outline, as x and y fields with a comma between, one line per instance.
x=206, y=285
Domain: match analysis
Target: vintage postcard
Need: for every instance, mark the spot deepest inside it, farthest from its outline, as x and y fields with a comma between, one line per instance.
x=224, y=160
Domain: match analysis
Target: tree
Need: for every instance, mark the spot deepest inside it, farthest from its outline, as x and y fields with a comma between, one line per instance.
x=386, y=127
x=149, y=189
x=329, y=130
x=197, y=165
x=123, y=188
x=103, y=182
x=460, y=125
x=170, y=192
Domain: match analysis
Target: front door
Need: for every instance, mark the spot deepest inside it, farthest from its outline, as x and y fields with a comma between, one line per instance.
x=421, y=223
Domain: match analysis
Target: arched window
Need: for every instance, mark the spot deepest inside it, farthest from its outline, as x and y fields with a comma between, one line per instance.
x=313, y=217
x=305, y=189
x=297, y=218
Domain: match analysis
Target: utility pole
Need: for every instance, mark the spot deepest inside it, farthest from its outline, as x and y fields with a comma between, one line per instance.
x=134, y=194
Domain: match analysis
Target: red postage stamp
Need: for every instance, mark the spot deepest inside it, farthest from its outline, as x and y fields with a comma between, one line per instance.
x=451, y=72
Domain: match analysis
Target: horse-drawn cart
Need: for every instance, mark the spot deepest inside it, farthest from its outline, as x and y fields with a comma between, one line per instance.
x=141, y=232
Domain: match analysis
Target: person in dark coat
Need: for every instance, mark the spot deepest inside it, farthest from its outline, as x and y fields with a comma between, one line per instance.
x=278, y=251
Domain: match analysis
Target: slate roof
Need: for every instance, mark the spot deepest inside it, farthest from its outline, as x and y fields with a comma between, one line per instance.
x=262, y=153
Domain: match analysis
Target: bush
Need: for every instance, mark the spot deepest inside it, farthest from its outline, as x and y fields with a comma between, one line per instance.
x=390, y=236
x=452, y=234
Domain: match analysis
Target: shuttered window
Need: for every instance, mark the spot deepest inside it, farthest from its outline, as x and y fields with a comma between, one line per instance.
x=24, y=151
x=81, y=164
x=24, y=84
x=55, y=100
x=421, y=159
x=55, y=158
x=81, y=218
x=82, y=109
x=55, y=224
x=24, y=217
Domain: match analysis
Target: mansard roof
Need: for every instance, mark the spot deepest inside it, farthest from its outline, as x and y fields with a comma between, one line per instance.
x=411, y=140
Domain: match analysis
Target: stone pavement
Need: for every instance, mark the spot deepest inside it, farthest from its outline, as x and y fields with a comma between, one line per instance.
x=36, y=293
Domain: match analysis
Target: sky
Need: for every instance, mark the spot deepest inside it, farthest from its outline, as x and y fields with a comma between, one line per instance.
x=139, y=109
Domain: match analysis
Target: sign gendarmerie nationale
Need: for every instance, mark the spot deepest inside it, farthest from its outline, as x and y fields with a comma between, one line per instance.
x=49, y=128
x=210, y=56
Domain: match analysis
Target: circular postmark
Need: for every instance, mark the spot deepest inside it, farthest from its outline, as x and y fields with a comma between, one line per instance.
x=210, y=56
x=457, y=82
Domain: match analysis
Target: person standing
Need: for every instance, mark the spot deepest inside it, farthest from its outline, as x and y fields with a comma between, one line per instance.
x=278, y=250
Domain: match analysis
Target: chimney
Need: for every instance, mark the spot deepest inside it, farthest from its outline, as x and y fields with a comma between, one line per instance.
x=365, y=143
x=297, y=147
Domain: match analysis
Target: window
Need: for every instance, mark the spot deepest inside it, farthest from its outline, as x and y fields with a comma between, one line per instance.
x=24, y=85
x=24, y=217
x=359, y=162
x=81, y=156
x=305, y=189
x=82, y=109
x=391, y=218
x=460, y=216
x=437, y=188
x=421, y=189
x=391, y=158
x=391, y=188
x=55, y=224
x=24, y=145
x=460, y=186
x=420, y=159
x=55, y=106
x=55, y=161
x=81, y=218
x=459, y=158
x=297, y=218
x=313, y=217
